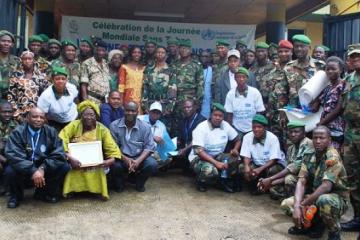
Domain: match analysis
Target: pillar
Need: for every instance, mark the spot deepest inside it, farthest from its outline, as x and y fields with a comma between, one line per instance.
x=275, y=21
x=44, y=17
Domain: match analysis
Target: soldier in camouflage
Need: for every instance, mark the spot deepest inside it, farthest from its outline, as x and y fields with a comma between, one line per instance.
x=160, y=85
x=304, y=67
x=208, y=158
x=34, y=45
x=189, y=79
x=351, y=100
x=95, y=75
x=8, y=62
x=54, y=50
x=282, y=184
x=262, y=67
x=323, y=176
x=173, y=51
x=68, y=60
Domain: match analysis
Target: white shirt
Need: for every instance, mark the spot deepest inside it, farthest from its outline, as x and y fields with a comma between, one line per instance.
x=260, y=154
x=213, y=140
x=233, y=83
x=61, y=110
x=244, y=108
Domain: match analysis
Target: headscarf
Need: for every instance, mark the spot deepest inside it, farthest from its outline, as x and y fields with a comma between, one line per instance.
x=114, y=52
x=88, y=104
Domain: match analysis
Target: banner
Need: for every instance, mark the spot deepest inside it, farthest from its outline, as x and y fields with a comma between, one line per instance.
x=116, y=32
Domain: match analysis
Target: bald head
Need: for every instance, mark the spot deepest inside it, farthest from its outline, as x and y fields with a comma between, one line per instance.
x=131, y=112
x=131, y=106
x=36, y=118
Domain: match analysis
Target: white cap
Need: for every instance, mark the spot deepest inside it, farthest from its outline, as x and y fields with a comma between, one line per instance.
x=156, y=106
x=233, y=52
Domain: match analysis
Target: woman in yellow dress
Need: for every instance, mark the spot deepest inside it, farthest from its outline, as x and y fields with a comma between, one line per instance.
x=131, y=77
x=87, y=129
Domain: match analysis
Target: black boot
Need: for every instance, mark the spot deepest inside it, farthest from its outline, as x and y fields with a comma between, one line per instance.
x=224, y=183
x=297, y=231
x=352, y=225
x=334, y=236
x=316, y=230
x=140, y=183
x=201, y=186
x=237, y=184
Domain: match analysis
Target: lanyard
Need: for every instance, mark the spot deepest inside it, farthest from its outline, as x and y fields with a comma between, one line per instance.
x=187, y=129
x=34, y=145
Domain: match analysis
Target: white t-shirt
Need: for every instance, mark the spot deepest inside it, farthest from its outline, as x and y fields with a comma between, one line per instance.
x=259, y=153
x=213, y=140
x=244, y=108
x=61, y=110
x=233, y=83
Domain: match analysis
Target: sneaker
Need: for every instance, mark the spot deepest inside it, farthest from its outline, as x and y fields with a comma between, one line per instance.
x=13, y=202
x=297, y=231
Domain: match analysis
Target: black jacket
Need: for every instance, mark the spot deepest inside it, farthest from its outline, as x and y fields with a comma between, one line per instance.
x=18, y=150
x=186, y=137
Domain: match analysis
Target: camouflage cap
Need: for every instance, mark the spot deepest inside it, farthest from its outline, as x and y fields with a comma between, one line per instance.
x=354, y=48
x=7, y=33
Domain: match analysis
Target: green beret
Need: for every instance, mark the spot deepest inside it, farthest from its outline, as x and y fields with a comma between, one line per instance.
x=7, y=33
x=54, y=41
x=258, y=118
x=172, y=42
x=35, y=38
x=68, y=42
x=222, y=42
x=44, y=37
x=185, y=43
x=242, y=70
x=301, y=38
x=87, y=40
x=59, y=71
x=295, y=124
x=218, y=106
x=261, y=45
x=240, y=42
x=149, y=41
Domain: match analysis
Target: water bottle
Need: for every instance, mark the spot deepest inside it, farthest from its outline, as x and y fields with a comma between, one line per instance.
x=224, y=173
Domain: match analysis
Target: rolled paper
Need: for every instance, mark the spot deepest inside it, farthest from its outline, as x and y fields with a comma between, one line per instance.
x=312, y=89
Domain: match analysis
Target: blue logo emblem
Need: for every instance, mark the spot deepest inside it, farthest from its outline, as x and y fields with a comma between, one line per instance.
x=208, y=34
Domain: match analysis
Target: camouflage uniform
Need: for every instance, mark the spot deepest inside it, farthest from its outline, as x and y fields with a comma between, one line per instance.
x=73, y=70
x=206, y=172
x=295, y=155
x=260, y=72
x=303, y=74
x=5, y=130
x=97, y=77
x=190, y=85
x=6, y=69
x=159, y=85
x=44, y=66
x=351, y=101
x=330, y=168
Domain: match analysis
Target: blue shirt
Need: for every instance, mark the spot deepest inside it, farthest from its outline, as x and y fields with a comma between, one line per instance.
x=109, y=114
x=205, y=107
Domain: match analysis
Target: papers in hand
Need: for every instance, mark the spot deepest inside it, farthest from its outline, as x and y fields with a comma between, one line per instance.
x=88, y=153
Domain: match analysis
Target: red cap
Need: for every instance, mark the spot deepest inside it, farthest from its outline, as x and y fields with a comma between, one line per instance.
x=285, y=44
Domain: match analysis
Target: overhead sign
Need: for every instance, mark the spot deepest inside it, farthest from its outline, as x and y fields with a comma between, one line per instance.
x=118, y=31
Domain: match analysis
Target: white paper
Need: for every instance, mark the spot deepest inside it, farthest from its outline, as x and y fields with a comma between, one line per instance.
x=310, y=119
x=88, y=153
x=173, y=153
x=312, y=89
x=174, y=140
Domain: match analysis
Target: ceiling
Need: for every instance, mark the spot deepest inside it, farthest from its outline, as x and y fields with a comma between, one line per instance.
x=195, y=11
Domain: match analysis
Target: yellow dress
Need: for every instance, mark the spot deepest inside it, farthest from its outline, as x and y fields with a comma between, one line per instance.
x=131, y=82
x=88, y=179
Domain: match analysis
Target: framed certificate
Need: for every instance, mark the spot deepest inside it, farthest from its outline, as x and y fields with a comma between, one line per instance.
x=88, y=153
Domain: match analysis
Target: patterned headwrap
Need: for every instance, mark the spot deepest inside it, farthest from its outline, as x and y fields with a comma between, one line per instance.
x=27, y=52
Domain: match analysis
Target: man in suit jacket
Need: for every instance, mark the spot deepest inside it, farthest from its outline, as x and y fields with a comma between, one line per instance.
x=227, y=79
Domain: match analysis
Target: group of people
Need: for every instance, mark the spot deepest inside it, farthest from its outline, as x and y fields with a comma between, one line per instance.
x=223, y=107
